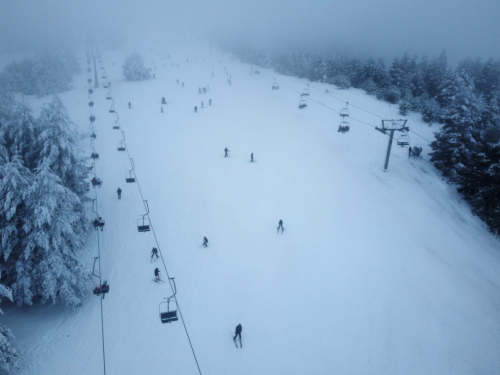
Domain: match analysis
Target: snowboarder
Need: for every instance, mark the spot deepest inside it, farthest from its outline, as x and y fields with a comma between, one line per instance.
x=409, y=151
x=280, y=225
x=205, y=242
x=129, y=105
x=163, y=101
x=238, y=333
x=251, y=157
x=209, y=101
x=226, y=151
x=154, y=252
x=119, y=191
x=157, y=274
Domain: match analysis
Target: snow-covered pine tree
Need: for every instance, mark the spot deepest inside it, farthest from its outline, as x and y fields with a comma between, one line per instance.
x=8, y=355
x=19, y=129
x=134, y=68
x=56, y=143
x=54, y=227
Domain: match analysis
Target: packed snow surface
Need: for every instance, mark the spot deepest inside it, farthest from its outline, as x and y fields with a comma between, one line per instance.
x=376, y=272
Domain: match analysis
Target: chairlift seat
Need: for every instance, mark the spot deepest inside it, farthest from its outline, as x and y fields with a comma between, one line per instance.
x=130, y=179
x=403, y=140
x=143, y=228
x=169, y=316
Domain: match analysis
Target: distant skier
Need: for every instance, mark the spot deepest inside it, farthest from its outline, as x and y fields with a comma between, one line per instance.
x=205, y=242
x=280, y=225
x=409, y=151
x=129, y=105
x=251, y=157
x=199, y=90
x=154, y=252
x=163, y=101
x=195, y=109
x=209, y=101
x=161, y=109
x=225, y=152
x=119, y=192
x=237, y=332
x=202, y=104
x=157, y=274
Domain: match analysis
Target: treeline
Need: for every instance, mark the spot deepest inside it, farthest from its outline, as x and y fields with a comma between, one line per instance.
x=43, y=221
x=465, y=99
x=46, y=73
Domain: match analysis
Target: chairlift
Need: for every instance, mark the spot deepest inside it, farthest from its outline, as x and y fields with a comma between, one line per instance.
x=275, y=85
x=306, y=91
x=91, y=91
x=302, y=104
x=89, y=80
x=116, y=125
x=403, y=140
x=343, y=127
x=91, y=104
x=101, y=289
x=95, y=156
x=108, y=96
x=256, y=71
x=168, y=309
x=416, y=151
x=344, y=112
x=121, y=144
x=98, y=221
x=130, y=176
x=143, y=224
x=112, y=108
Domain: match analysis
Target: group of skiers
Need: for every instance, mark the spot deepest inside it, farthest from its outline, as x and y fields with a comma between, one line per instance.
x=226, y=154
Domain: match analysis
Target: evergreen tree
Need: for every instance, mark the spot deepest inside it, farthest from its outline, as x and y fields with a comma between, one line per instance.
x=134, y=68
x=8, y=355
x=435, y=74
x=54, y=230
x=56, y=144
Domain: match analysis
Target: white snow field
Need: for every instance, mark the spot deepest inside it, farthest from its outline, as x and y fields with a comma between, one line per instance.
x=376, y=273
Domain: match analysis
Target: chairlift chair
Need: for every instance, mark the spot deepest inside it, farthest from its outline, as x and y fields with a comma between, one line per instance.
x=112, y=109
x=275, y=85
x=121, y=146
x=108, y=96
x=143, y=224
x=101, y=289
x=130, y=177
x=344, y=112
x=403, y=140
x=343, y=127
x=302, y=104
x=306, y=91
x=116, y=125
x=168, y=309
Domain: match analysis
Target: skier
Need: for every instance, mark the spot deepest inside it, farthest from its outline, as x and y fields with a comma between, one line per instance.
x=209, y=101
x=154, y=252
x=202, y=104
x=119, y=191
x=226, y=151
x=163, y=101
x=161, y=109
x=409, y=151
x=205, y=242
x=199, y=90
x=129, y=105
x=195, y=109
x=238, y=333
x=280, y=225
x=251, y=157
x=157, y=274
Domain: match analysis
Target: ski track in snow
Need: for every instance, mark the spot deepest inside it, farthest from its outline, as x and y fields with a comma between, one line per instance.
x=376, y=273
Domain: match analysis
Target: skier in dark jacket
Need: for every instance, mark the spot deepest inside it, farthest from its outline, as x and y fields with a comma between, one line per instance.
x=409, y=151
x=154, y=252
x=238, y=332
x=225, y=152
x=119, y=191
x=157, y=273
x=251, y=157
x=129, y=105
x=280, y=225
x=205, y=242
x=195, y=109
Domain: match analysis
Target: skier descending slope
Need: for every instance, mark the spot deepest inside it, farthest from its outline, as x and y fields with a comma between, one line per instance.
x=119, y=192
x=154, y=252
x=238, y=333
x=157, y=275
x=225, y=152
x=280, y=225
x=205, y=242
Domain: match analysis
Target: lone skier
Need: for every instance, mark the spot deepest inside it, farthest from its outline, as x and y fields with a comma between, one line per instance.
x=163, y=101
x=154, y=252
x=157, y=274
x=226, y=151
x=129, y=105
x=251, y=157
x=238, y=333
x=202, y=104
x=409, y=151
x=195, y=109
x=205, y=242
x=209, y=101
x=119, y=191
x=280, y=225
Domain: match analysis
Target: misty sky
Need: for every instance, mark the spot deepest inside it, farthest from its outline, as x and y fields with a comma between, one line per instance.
x=464, y=28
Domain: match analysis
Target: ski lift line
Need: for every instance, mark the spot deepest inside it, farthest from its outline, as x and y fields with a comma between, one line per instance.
x=100, y=281
x=324, y=105
x=164, y=266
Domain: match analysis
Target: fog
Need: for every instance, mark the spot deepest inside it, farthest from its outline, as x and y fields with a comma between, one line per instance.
x=464, y=28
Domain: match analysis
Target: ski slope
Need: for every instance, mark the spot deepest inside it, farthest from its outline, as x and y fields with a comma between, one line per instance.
x=376, y=272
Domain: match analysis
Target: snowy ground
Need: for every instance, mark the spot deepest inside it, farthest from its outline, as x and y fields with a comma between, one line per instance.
x=376, y=273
